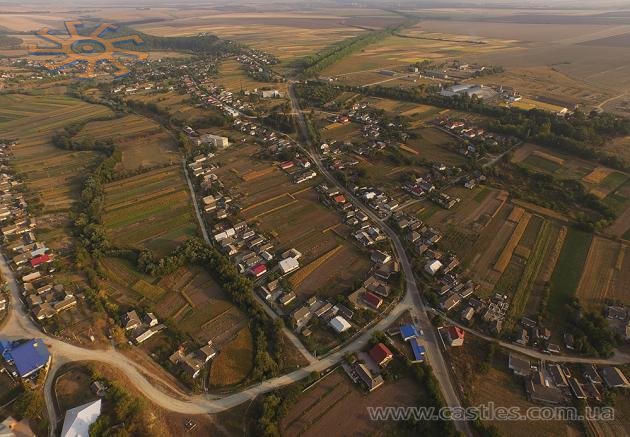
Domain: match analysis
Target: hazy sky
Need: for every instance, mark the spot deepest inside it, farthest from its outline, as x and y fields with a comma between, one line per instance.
x=418, y=3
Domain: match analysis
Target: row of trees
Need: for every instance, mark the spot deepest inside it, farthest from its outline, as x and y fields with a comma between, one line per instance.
x=311, y=65
x=563, y=195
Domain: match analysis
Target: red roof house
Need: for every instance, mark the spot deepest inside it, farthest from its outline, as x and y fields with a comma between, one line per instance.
x=456, y=335
x=340, y=198
x=286, y=165
x=258, y=270
x=372, y=300
x=39, y=260
x=381, y=354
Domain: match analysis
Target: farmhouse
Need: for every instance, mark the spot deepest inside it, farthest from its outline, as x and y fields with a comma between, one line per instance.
x=288, y=265
x=614, y=377
x=27, y=357
x=286, y=298
x=450, y=302
x=520, y=366
x=381, y=354
x=418, y=350
x=379, y=257
x=193, y=362
x=372, y=300
x=375, y=285
x=258, y=270
x=433, y=266
x=131, y=320
x=78, y=420
x=215, y=140
x=372, y=382
x=538, y=390
x=339, y=324
x=407, y=332
x=455, y=335
x=300, y=317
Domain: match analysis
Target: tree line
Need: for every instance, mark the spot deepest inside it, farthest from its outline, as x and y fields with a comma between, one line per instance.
x=311, y=65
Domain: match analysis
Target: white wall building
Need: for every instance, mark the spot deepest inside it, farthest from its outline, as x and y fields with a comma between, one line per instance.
x=288, y=265
x=215, y=140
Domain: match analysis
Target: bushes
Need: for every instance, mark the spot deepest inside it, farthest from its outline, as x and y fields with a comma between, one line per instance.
x=125, y=409
x=592, y=334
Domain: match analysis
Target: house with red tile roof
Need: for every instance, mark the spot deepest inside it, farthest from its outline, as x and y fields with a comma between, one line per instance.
x=381, y=354
x=455, y=335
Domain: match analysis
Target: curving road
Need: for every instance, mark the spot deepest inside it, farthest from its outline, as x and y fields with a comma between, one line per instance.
x=19, y=325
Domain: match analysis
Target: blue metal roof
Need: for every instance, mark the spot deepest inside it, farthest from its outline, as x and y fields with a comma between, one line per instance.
x=418, y=350
x=408, y=331
x=30, y=356
x=5, y=349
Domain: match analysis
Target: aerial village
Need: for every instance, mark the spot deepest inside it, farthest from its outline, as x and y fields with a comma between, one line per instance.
x=31, y=259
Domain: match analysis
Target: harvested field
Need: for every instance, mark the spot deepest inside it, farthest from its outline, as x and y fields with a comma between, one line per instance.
x=546, y=212
x=434, y=145
x=549, y=157
x=599, y=269
x=547, y=272
x=53, y=175
x=300, y=225
x=498, y=234
x=234, y=361
x=395, y=51
x=143, y=142
x=620, y=281
x=252, y=175
x=597, y=175
x=298, y=277
x=487, y=209
x=409, y=149
x=337, y=274
x=516, y=214
x=234, y=78
x=336, y=403
x=499, y=387
x=506, y=254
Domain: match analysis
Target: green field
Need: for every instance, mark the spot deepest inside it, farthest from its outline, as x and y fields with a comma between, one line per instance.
x=151, y=210
x=566, y=276
x=539, y=163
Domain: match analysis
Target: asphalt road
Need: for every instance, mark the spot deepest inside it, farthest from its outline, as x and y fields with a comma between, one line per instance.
x=412, y=297
x=288, y=333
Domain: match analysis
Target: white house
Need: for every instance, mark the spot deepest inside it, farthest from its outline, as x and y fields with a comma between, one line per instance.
x=78, y=420
x=288, y=265
x=339, y=324
x=215, y=140
x=433, y=266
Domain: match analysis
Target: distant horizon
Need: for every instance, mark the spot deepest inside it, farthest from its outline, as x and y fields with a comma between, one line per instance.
x=432, y=4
